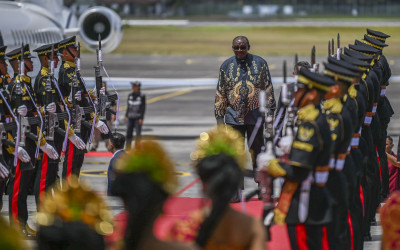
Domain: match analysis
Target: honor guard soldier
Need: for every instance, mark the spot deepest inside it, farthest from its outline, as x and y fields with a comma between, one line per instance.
x=48, y=96
x=342, y=180
x=304, y=204
x=68, y=76
x=384, y=109
x=374, y=170
x=23, y=103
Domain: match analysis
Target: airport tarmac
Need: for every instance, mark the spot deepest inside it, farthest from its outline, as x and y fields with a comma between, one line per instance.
x=176, y=115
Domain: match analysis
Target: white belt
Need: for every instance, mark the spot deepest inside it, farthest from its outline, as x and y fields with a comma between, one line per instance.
x=339, y=164
x=332, y=162
x=8, y=119
x=367, y=120
x=355, y=141
x=383, y=92
x=321, y=177
x=374, y=109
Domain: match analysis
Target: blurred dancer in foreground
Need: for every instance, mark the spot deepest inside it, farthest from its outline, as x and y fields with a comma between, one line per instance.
x=218, y=155
x=144, y=180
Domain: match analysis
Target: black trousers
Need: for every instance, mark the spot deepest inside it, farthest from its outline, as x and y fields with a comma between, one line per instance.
x=73, y=161
x=133, y=124
x=18, y=194
x=258, y=143
x=304, y=237
x=46, y=176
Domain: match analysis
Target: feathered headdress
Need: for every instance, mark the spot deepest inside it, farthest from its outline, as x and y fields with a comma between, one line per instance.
x=74, y=201
x=149, y=157
x=222, y=139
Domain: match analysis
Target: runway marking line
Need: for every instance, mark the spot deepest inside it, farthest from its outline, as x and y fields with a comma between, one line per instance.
x=162, y=97
x=187, y=187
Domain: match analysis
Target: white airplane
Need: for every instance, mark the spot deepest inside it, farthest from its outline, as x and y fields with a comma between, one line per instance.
x=39, y=22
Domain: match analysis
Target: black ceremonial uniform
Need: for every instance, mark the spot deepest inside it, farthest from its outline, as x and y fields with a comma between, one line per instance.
x=73, y=157
x=23, y=172
x=305, y=204
x=342, y=121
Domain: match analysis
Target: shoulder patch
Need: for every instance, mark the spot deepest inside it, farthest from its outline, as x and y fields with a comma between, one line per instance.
x=305, y=134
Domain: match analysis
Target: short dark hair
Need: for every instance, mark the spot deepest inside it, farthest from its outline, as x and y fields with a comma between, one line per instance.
x=243, y=37
x=390, y=139
x=118, y=140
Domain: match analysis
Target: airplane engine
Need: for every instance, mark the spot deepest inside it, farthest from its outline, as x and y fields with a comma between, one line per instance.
x=104, y=21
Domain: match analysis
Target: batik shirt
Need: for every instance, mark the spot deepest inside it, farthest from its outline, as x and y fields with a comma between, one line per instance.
x=238, y=89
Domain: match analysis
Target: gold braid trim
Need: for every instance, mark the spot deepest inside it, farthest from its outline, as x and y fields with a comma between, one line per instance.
x=338, y=76
x=377, y=37
x=373, y=45
x=310, y=83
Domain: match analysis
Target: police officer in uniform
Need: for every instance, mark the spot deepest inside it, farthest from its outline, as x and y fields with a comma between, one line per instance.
x=135, y=113
x=304, y=204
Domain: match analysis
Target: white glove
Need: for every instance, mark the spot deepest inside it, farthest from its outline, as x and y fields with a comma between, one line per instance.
x=22, y=110
x=263, y=158
x=3, y=172
x=103, y=91
x=51, y=108
x=50, y=151
x=77, y=142
x=285, y=144
x=78, y=96
x=23, y=155
x=102, y=127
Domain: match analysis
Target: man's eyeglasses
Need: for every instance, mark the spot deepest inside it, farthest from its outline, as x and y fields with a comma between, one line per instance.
x=236, y=47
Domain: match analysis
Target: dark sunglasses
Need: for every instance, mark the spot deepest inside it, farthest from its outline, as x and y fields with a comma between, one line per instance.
x=236, y=47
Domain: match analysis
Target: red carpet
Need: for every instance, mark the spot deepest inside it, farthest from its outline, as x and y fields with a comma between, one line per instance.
x=178, y=207
x=98, y=154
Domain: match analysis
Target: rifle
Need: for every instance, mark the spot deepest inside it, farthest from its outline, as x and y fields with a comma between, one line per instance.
x=315, y=66
x=329, y=48
x=264, y=179
x=51, y=121
x=101, y=98
x=339, y=50
x=23, y=123
x=77, y=111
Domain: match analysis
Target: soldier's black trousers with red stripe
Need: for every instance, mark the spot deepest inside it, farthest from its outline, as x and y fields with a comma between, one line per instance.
x=18, y=194
x=73, y=160
x=307, y=237
x=46, y=176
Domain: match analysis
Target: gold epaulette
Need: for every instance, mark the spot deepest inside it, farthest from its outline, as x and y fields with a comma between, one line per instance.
x=308, y=113
x=333, y=105
x=44, y=71
x=68, y=64
x=352, y=91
